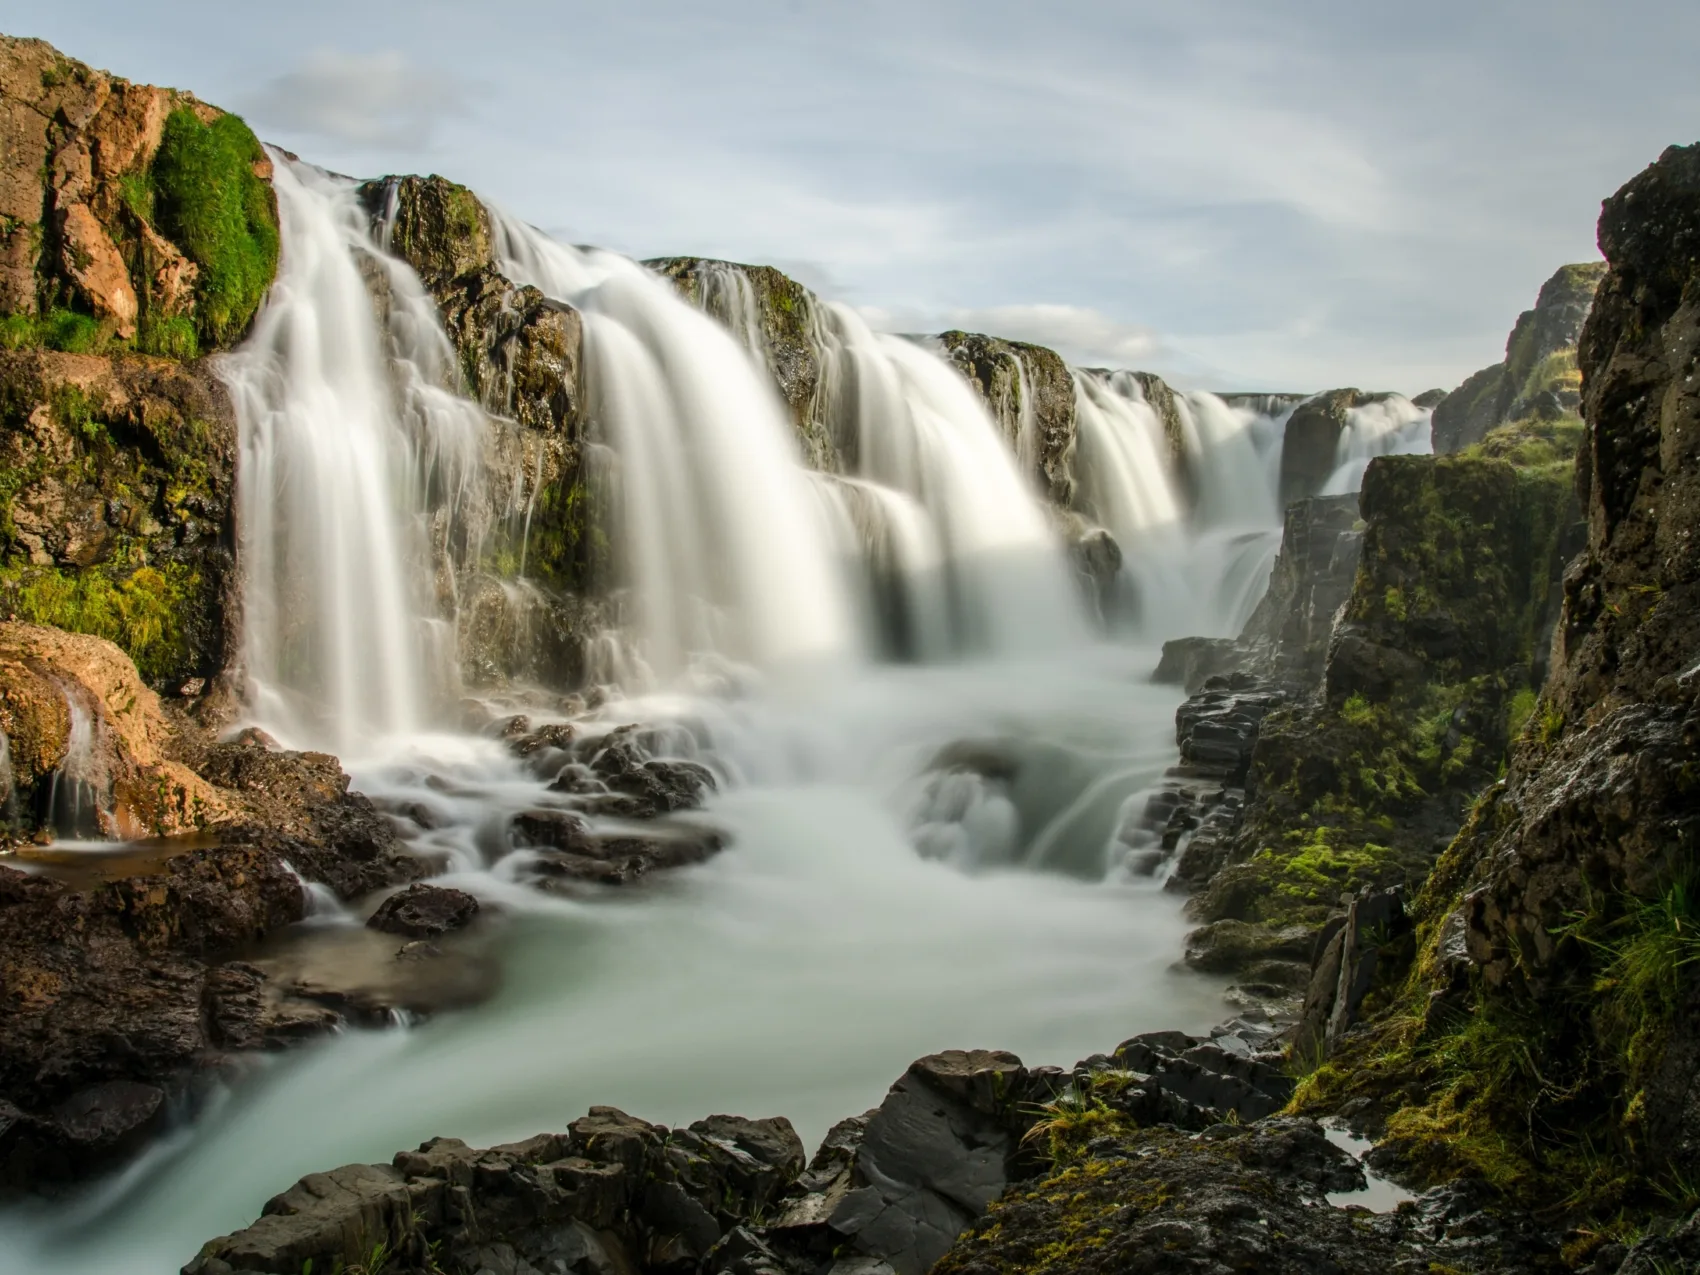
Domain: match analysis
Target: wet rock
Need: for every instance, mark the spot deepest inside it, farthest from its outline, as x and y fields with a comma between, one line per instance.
x=299, y=807
x=620, y=774
x=127, y=763
x=612, y=1194
x=104, y=999
x=1343, y=969
x=1030, y=393
x=579, y=852
x=1310, y=581
x=1097, y=561
x=1228, y=945
x=1238, y=1198
x=1190, y=662
x=776, y=319
x=424, y=912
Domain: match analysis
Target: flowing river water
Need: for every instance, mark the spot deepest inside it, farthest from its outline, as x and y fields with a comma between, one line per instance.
x=819, y=644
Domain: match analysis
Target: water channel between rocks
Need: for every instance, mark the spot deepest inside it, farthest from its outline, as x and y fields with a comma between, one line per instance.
x=797, y=973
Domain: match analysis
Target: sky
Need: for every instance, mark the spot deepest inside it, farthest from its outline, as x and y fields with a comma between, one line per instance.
x=1240, y=194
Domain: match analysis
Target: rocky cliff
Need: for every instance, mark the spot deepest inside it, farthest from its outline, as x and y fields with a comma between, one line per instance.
x=137, y=231
x=527, y=559
x=1538, y=383
x=1545, y=1039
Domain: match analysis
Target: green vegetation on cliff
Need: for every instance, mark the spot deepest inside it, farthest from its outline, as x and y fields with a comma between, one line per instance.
x=1430, y=673
x=207, y=197
x=1547, y=1036
x=142, y=609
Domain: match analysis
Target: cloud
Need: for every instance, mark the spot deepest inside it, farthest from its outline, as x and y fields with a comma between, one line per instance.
x=1080, y=334
x=375, y=99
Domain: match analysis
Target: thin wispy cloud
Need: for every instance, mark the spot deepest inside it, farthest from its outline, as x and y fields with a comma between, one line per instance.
x=375, y=100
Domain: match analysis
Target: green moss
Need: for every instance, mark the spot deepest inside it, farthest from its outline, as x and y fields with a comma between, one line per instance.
x=58, y=329
x=209, y=201
x=172, y=338
x=1521, y=709
x=140, y=610
x=1536, y=446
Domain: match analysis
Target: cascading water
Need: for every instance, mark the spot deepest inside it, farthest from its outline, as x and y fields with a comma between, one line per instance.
x=727, y=551
x=1386, y=427
x=75, y=794
x=799, y=971
x=918, y=429
x=338, y=629
x=1197, y=532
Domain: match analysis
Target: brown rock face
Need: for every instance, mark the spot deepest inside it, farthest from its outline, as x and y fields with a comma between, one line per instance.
x=49, y=681
x=76, y=145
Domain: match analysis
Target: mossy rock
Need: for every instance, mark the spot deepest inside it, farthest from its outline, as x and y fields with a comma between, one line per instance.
x=1030, y=394
x=437, y=226
x=776, y=317
x=209, y=199
x=116, y=489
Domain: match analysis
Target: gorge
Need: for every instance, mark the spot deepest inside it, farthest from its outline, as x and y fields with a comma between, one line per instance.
x=453, y=679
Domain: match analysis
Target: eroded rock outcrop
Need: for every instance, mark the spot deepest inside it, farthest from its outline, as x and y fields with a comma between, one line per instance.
x=776, y=319
x=1538, y=377
x=103, y=1017
x=91, y=752
x=1309, y=452
x=1030, y=393
x=137, y=229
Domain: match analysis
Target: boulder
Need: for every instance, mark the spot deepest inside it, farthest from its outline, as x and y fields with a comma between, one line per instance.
x=424, y=911
x=1189, y=662
x=1310, y=446
x=298, y=806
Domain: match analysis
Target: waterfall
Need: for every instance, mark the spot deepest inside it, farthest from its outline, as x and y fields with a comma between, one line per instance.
x=1197, y=569
x=919, y=429
x=726, y=549
x=1385, y=427
x=341, y=638
x=78, y=787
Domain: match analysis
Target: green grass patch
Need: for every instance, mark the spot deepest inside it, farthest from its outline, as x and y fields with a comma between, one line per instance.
x=141, y=610
x=63, y=330
x=208, y=200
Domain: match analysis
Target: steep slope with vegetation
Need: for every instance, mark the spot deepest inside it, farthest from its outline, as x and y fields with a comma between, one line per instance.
x=138, y=231
x=1545, y=1038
